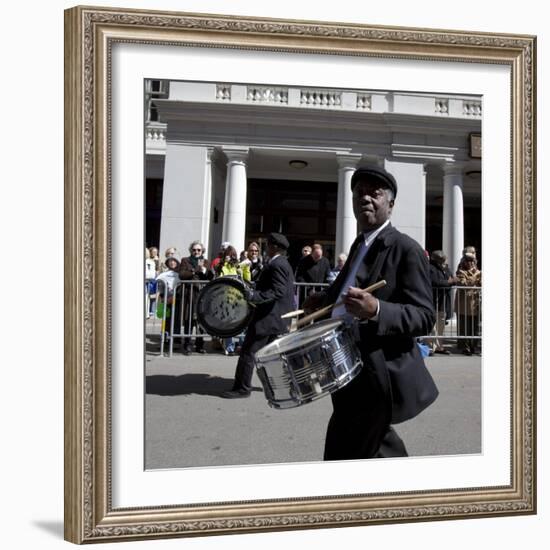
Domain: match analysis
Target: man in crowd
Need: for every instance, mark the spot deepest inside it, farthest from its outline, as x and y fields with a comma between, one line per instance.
x=306, y=250
x=442, y=281
x=313, y=268
x=272, y=297
x=394, y=384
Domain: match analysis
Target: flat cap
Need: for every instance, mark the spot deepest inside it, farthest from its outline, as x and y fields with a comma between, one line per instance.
x=370, y=173
x=438, y=256
x=278, y=240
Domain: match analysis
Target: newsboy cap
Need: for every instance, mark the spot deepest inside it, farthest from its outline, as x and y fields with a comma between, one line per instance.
x=438, y=256
x=376, y=173
x=278, y=240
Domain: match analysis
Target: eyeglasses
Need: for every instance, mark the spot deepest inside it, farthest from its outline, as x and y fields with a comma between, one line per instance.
x=197, y=249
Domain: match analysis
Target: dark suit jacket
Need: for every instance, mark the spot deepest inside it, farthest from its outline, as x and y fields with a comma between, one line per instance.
x=311, y=271
x=406, y=311
x=272, y=297
x=441, y=288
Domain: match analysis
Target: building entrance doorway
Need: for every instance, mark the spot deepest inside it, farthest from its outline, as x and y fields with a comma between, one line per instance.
x=304, y=211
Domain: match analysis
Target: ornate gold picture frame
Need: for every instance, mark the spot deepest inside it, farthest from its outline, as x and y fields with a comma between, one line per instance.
x=90, y=35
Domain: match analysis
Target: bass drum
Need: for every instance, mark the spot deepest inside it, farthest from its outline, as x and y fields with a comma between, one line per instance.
x=222, y=309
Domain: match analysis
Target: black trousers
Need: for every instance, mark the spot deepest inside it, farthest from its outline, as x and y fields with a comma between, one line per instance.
x=360, y=423
x=245, y=365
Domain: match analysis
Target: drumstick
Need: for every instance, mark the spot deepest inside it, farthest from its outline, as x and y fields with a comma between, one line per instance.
x=292, y=314
x=324, y=310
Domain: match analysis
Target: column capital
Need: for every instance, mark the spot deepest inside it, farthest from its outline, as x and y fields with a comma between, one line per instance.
x=348, y=161
x=453, y=169
x=236, y=155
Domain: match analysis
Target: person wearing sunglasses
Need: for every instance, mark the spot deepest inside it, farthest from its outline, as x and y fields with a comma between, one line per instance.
x=254, y=261
x=193, y=268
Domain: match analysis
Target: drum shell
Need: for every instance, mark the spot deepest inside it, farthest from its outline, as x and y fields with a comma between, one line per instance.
x=309, y=371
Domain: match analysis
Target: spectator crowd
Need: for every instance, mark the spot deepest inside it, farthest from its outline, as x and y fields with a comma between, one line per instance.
x=454, y=292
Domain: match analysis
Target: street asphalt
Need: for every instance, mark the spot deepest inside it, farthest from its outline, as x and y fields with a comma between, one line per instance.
x=188, y=424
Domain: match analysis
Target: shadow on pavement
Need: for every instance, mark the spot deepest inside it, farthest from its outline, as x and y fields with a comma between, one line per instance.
x=186, y=384
x=152, y=346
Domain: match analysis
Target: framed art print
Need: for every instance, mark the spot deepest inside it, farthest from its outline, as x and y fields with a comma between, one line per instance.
x=185, y=127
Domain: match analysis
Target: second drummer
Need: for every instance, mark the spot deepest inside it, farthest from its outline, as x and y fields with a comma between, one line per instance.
x=272, y=297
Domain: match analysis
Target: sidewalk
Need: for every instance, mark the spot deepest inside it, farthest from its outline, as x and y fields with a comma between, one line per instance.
x=189, y=425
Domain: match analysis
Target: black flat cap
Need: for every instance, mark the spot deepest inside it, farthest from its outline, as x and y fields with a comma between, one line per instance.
x=278, y=240
x=370, y=173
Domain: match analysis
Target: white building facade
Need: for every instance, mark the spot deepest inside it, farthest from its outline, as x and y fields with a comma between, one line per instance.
x=236, y=161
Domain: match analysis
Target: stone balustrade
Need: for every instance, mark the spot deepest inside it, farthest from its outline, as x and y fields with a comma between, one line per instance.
x=261, y=94
x=472, y=108
x=320, y=98
x=156, y=132
x=364, y=102
x=223, y=92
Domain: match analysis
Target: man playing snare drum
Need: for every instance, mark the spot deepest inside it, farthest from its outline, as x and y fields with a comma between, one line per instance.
x=272, y=297
x=394, y=384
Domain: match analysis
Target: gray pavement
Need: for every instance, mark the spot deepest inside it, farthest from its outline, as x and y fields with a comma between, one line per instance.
x=188, y=425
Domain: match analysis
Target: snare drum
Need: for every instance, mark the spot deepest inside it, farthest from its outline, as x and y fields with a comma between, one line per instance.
x=222, y=309
x=310, y=363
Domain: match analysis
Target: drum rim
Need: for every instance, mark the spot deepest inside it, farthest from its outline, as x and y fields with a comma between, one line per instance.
x=265, y=357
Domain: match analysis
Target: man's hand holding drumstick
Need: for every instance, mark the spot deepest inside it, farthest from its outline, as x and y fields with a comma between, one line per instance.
x=360, y=303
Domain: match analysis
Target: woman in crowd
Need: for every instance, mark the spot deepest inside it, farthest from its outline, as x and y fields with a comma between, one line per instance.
x=229, y=265
x=150, y=275
x=468, y=302
x=154, y=255
x=254, y=261
x=169, y=253
x=194, y=268
x=166, y=284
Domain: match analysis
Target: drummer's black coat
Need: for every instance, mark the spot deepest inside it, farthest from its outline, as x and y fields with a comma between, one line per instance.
x=388, y=345
x=273, y=297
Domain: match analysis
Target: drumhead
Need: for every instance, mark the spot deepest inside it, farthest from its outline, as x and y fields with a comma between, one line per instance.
x=222, y=309
x=302, y=337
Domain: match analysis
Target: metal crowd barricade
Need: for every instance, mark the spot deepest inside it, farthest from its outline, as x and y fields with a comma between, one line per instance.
x=180, y=322
x=462, y=308
x=182, y=305
x=303, y=290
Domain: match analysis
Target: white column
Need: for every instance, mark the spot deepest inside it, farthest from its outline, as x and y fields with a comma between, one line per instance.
x=182, y=197
x=409, y=211
x=207, y=204
x=453, y=215
x=346, y=225
x=234, y=214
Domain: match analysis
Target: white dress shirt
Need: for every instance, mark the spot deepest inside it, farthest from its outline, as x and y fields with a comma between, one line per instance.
x=361, y=251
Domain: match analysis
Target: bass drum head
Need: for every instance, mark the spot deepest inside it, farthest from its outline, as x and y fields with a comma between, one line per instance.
x=222, y=309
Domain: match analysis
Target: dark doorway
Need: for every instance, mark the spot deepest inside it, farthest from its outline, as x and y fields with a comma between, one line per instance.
x=153, y=211
x=472, y=229
x=304, y=211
